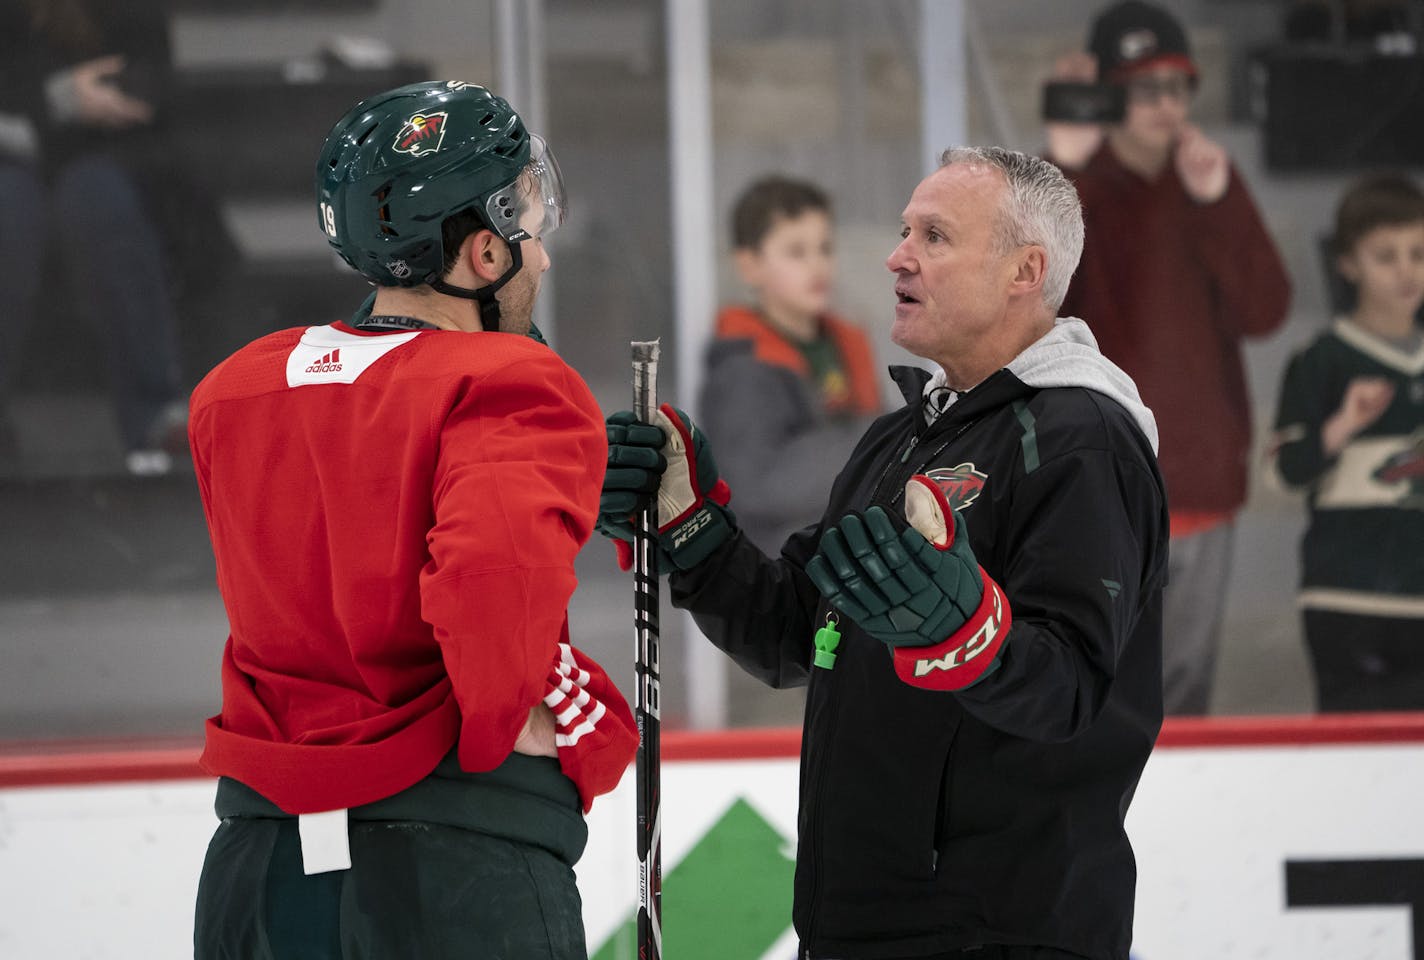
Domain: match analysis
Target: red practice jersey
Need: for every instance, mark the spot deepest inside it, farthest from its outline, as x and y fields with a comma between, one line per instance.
x=395, y=518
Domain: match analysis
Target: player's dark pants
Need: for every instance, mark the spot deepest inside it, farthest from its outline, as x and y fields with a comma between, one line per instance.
x=414, y=890
x=475, y=866
x=1366, y=663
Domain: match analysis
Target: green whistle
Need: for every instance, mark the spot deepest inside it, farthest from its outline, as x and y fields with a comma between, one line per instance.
x=827, y=639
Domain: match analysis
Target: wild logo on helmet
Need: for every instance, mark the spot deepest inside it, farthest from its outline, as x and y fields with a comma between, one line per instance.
x=423, y=133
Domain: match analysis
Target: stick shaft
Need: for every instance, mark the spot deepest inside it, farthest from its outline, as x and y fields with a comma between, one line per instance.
x=646, y=709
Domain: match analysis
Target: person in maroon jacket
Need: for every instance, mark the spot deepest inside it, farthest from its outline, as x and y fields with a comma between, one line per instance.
x=1177, y=270
x=408, y=738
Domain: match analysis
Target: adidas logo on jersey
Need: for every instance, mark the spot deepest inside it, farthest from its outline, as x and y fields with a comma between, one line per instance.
x=327, y=355
x=330, y=363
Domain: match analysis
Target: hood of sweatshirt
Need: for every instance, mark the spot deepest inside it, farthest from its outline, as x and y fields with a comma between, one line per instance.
x=1066, y=356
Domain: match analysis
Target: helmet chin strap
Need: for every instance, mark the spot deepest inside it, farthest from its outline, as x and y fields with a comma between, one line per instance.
x=484, y=296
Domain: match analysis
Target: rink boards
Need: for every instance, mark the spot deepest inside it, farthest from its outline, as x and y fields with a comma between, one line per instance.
x=1288, y=838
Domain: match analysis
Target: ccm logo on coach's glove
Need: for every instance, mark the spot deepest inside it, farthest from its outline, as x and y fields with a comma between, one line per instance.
x=918, y=589
x=693, y=518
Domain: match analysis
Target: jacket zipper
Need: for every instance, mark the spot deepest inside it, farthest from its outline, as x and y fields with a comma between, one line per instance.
x=832, y=714
x=890, y=465
x=875, y=491
x=914, y=439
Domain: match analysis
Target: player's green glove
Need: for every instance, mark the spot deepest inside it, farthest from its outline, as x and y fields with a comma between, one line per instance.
x=917, y=588
x=672, y=458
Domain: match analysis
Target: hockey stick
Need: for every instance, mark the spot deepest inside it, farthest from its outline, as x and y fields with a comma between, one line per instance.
x=646, y=695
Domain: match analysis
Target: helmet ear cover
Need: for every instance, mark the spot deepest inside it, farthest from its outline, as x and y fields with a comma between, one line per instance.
x=400, y=165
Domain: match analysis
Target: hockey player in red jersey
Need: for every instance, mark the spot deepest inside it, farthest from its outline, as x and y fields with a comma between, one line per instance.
x=408, y=739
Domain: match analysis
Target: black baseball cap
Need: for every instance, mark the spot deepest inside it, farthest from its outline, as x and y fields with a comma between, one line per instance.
x=1133, y=36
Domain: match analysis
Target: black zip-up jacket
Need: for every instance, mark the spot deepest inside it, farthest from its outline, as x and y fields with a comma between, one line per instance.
x=934, y=821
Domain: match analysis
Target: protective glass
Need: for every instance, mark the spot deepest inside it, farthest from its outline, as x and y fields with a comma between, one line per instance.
x=533, y=204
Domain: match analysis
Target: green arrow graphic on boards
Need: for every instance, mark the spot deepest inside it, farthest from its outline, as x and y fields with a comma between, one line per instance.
x=728, y=899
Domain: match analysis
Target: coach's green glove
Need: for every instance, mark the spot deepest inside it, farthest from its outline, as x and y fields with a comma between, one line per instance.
x=672, y=458
x=917, y=588
x=635, y=468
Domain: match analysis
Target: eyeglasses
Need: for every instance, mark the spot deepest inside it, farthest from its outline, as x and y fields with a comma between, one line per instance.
x=1151, y=88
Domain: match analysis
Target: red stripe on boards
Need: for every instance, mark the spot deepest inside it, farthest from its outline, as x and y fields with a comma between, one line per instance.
x=38, y=763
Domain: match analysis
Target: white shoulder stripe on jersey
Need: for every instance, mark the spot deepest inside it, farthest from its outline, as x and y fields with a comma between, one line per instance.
x=328, y=355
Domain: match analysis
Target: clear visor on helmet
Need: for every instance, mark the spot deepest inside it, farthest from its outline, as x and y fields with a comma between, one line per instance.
x=532, y=205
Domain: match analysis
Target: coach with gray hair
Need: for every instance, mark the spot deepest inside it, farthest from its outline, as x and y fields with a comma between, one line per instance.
x=978, y=613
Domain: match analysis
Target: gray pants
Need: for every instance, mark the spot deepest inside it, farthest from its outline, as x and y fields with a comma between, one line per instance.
x=1192, y=608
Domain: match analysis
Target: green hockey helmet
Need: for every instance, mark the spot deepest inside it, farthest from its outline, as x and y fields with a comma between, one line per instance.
x=400, y=163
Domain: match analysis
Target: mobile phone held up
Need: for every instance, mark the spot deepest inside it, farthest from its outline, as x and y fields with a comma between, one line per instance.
x=1065, y=102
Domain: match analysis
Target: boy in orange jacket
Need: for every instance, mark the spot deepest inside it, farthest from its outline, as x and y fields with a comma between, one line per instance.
x=790, y=386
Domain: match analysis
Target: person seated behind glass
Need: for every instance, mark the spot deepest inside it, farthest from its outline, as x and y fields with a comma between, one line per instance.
x=790, y=386
x=1350, y=434
x=78, y=87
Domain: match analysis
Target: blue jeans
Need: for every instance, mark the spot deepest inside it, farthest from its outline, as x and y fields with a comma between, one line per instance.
x=92, y=217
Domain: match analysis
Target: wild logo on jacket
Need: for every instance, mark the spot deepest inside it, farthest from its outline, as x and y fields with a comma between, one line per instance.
x=1407, y=466
x=422, y=133
x=960, y=485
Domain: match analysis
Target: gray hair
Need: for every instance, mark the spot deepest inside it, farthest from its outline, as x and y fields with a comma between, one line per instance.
x=1041, y=207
